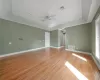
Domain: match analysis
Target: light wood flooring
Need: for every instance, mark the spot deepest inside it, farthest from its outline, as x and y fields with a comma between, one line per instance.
x=48, y=64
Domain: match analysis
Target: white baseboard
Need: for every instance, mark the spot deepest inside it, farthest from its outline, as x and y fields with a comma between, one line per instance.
x=72, y=50
x=53, y=47
x=96, y=61
x=79, y=51
x=21, y=52
x=56, y=47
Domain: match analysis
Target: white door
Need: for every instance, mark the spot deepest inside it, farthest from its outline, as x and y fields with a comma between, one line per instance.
x=98, y=38
x=47, y=39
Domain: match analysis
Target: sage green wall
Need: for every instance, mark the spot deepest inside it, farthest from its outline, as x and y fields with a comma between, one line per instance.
x=54, y=38
x=11, y=32
x=1, y=39
x=93, y=31
x=80, y=37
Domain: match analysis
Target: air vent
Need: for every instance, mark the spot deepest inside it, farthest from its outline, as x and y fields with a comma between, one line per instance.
x=48, y=18
x=62, y=8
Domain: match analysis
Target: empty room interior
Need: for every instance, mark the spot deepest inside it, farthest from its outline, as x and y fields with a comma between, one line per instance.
x=49, y=39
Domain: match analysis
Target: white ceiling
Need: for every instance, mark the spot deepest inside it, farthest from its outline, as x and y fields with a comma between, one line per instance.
x=34, y=12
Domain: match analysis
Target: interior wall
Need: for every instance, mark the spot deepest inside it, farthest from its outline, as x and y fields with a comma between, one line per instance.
x=15, y=37
x=79, y=37
x=54, y=38
x=93, y=32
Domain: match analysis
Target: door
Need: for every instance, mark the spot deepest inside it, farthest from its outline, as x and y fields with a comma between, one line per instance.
x=47, y=39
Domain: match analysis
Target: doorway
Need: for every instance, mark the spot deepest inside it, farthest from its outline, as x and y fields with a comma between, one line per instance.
x=47, y=39
x=63, y=38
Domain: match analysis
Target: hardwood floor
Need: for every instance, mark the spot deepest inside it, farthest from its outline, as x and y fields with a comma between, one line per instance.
x=48, y=64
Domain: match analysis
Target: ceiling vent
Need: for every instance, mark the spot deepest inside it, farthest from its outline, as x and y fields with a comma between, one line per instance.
x=48, y=18
x=62, y=8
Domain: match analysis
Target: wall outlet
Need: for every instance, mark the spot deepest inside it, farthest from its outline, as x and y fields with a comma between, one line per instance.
x=10, y=43
x=71, y=47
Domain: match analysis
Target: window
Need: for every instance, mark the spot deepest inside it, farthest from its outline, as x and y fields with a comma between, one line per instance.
x=98, y=38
